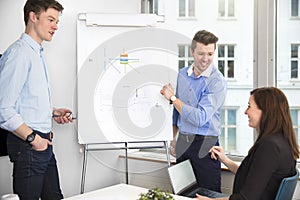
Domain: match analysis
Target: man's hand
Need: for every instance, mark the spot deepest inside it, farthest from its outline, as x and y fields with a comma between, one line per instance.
x=173, y=148
x=167, y=90
x=62, y=115
x=39, y=143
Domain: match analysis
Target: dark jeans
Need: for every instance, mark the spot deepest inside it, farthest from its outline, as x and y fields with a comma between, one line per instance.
x=206, y=169
x=35, y=173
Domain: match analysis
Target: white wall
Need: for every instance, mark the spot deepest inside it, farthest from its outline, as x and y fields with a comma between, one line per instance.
x=60, y=54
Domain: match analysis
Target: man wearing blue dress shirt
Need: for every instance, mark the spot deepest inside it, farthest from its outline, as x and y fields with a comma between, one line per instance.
x=200, y=94
x=25, y=105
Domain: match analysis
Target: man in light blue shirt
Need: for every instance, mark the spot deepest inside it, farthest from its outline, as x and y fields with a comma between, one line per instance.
x=25, y=105
x=200, y=95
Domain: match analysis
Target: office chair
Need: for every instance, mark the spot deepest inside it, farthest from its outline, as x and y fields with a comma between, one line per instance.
x=287, y=187
x=183, y=179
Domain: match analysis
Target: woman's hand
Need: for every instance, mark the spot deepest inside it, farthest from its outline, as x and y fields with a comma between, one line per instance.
x=217, y=153
x=200, y=197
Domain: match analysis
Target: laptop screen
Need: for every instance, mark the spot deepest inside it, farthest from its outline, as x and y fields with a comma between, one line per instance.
x=182, y=176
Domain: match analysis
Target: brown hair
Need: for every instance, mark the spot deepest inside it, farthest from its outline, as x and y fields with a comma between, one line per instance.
x=204, y=37
x=38, y=6
x=275, y=117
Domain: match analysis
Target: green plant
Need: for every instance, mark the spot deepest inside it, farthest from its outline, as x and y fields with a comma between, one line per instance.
x=156, y=194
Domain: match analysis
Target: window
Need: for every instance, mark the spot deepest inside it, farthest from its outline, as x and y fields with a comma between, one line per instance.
x=295, y=58
x=149, y=6
x=233, y=56
x=226, y=60
x=226, y=8
x=288, y=57
x=265, y=54
x=187, y=8
x=235, y=63
x=184, y=56
x=229, y=130
x=294, y=8
x=295, y=114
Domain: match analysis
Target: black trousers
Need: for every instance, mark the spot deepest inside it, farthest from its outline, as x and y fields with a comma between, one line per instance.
x=35, y=173
x=196, y=148
x=3, y=146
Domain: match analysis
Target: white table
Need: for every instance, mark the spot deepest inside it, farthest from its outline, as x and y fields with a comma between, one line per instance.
x=117, y=192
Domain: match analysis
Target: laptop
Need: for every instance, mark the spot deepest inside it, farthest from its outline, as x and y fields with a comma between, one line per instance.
x=183, y=179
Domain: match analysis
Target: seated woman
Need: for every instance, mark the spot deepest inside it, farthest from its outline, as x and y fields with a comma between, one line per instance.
x=273, y=155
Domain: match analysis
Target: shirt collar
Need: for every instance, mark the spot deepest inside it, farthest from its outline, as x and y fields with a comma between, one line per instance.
x=32, y=43
x=205, y=73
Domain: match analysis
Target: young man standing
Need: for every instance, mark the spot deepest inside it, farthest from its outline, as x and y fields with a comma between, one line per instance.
x=200, y=95
x=25, y=105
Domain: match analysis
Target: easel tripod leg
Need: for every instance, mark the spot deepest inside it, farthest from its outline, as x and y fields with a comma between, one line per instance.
x=126, y=161
x=166, y=144
x=83, y=173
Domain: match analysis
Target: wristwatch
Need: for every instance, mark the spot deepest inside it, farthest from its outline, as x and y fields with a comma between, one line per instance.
x=172, y=99
x=30, y=137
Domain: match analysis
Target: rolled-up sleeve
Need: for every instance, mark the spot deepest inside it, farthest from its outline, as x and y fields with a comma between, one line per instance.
x=13, y=73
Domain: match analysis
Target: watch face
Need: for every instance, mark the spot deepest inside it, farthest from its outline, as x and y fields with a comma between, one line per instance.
x=173, y=98
x=30, y=138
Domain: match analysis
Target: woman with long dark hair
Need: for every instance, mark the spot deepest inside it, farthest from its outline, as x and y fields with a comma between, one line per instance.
x=273, y=155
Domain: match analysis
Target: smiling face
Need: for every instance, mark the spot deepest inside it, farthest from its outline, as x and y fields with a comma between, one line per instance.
x=254, y=113
x=43, y=26
x=203, y=56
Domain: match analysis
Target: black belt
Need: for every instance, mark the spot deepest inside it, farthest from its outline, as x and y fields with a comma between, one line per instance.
x=192, y=137
x=48, y=136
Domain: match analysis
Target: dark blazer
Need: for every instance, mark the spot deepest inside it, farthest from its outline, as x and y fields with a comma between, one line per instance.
x=261, y=172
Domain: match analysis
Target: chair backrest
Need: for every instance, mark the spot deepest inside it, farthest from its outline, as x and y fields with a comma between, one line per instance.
x=181, y=176
x=287, y=187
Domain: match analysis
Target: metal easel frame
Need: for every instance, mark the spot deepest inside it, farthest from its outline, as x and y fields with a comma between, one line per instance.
x=89, y=147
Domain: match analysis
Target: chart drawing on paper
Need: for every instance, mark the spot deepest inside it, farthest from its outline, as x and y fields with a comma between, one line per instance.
x=119, y=82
